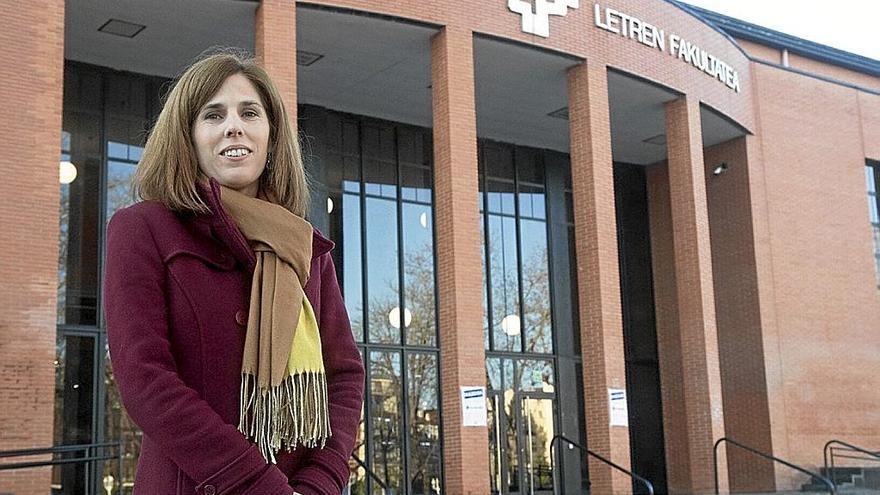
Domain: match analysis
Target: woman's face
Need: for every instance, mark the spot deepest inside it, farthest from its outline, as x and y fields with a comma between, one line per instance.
x=231, y=135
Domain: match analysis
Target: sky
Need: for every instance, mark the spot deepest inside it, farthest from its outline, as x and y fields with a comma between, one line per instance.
x=845, y=24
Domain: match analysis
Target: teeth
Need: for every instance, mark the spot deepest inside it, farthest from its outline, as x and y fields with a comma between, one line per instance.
x=236, y=152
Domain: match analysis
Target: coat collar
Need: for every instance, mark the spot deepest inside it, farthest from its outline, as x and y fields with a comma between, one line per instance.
x=224, y=227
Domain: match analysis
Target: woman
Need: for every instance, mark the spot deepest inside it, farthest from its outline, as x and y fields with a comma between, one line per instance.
x=229, y=339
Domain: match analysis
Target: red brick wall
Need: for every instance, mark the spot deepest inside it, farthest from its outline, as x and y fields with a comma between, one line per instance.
x=757, y=50
x=275, y=47
x=839, y=73
x=818, y=305
x=826, y=300
x=738, y=316
x=694, y=292
x=601, y=321
x=576, y=34
x=678, y=470
x=462, y=360
x=31, y=86
x=869, y=111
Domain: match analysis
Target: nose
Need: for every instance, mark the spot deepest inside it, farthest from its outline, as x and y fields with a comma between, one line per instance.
x=233, y=129
x=233, y=126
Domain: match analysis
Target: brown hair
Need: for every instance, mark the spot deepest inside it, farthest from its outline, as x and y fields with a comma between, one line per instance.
x=169, y=169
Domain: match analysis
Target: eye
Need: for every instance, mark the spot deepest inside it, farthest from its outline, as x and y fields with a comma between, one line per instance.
x=250, y=113
x=212, y=116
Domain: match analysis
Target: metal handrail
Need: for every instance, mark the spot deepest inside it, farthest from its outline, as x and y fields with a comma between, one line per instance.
x=828, y=483
x=632, y=475
x=58, y=449
x=829, y=449
x=370, y=472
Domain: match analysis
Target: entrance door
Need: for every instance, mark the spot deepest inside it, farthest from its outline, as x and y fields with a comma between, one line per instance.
x=521, y=426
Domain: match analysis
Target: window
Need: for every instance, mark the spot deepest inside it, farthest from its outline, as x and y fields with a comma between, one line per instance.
x=105, y=118
x=517, y=313
x=872, y=179
x=378, y=180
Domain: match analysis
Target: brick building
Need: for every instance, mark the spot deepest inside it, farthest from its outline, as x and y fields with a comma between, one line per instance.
x=671, y=210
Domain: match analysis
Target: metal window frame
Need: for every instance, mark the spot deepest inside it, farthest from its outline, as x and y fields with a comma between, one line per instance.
x=875, y=166
x=99, y=329
x=367, y=346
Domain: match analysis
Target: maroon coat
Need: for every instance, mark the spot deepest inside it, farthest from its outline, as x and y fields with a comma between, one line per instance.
x=176, y=299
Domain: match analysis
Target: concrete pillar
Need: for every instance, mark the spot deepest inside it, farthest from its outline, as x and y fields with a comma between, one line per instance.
x=462, y=358
x=275, y=48
x=33, y=73
x=695, y=298
x=601, y=320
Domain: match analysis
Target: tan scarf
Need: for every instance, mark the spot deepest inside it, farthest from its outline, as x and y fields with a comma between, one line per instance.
x=283, y=385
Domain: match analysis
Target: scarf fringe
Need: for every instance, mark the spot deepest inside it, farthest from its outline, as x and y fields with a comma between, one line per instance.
x=296, y=412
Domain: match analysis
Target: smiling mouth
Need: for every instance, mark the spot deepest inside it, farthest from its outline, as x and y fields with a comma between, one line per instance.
x=235, y=152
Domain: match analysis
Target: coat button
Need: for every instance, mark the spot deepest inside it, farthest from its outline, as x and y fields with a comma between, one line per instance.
x=241, y=317
x=210, y=490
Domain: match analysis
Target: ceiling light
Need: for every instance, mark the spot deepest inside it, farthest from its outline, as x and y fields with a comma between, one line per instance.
x=720, y=169
x=66, y=172
x=659, y=140
x=121, y=28
x=329, y=205
x=306, y=59
x=423, y=220
x=560, y=113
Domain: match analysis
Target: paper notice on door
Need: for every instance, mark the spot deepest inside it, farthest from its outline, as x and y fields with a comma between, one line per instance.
x=473, y=406
x=617, y=403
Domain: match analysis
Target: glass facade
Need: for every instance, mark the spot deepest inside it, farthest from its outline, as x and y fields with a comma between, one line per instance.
x=373, y=181
x=374, y=198
x=106, y=116
x=529, y=325
x=373, y=195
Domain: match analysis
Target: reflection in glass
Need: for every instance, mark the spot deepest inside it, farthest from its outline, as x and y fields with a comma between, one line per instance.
x=485, y=284
x=386, y=411
x=501, y=197
x=532, y=202
x=493, y=422
x=534, y=375
x=498, y=166
x=120, y=170
x=518, y=285
x=872, y=179
x=413, y=151
x=379, y=161
x=521, y=411
x=503, y=259
x=510, y=440
x=535, y=286
x=78, y=234
x=387, y=238
x=418, y=273
x=424, y=423
x=382, y=269
x=74, y=396
x=351, y=265
x=119, y=427
x=357, y=479
x=536, y=415
x=493, y=374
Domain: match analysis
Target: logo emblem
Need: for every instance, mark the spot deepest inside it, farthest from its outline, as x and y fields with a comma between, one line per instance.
x=538, y=22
